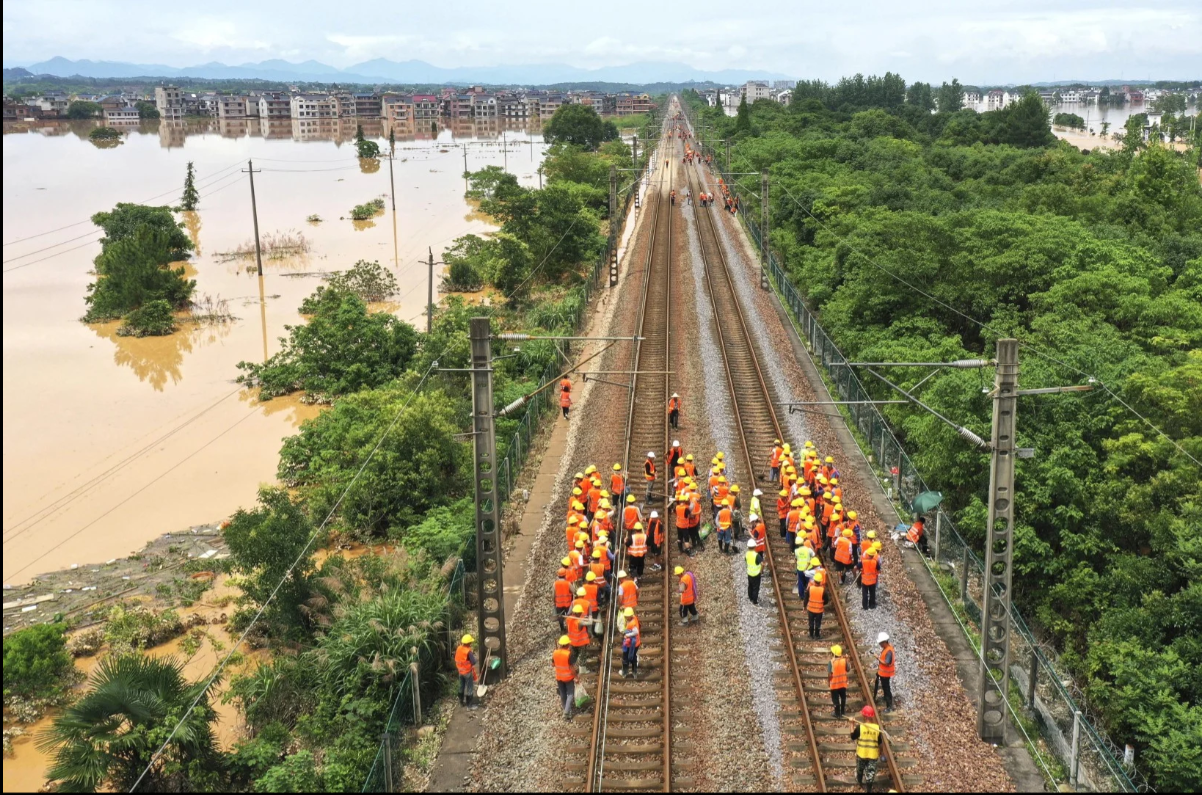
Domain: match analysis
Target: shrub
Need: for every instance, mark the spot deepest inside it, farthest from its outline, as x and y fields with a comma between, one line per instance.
x=36, y=661
x=152, y=319
x=363, y=212
x=370, y=281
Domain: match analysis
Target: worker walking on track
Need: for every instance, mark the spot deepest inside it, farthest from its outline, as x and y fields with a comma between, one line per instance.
x=845, y=550
x=674, y=411
x=836, y=671
x=465, y=664
x=563, y=598
x=636, y=549
x=617, y=485
x=632, y=639
x=886, y=668
x=867, y=735
x=578, y=636
x=688, y=595
x=565, y=396
x=655, y=536
x=870, y=572
x=628, y=591
x=755, y=568
x=649, y=474
x=565, y=675
x=816, y=604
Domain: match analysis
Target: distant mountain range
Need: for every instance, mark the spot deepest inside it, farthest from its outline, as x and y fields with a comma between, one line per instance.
x=382, y=70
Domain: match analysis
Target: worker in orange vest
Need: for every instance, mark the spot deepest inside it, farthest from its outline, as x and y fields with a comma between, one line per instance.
x=870, y=572
x=565, y=402
x=628, y=591
x=565, y=384
x=917, y=536
x=793, y=521
x=655, y=534
x=844, y=555
x=674, y=411
x=649, y=474
x=565, y=675
x=690, y=466
x=836, y=671
x=592, y=593
x=886, y=668
x=631, y=514
x=563, y=597
x=597, y=569
x=674, y=455
x=782, y=511
x=725, y=521
x=617, y=484
x=816, y=604
x=636, y=549
x=758, y=533
x=578, y=632
x=774, y=461
x=465, y=664
x=688, y=595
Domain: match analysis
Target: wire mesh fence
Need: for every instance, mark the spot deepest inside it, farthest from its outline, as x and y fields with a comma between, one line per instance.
x=1074, y=749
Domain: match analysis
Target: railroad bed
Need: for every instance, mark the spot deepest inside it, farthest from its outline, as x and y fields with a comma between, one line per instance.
x=818, y=753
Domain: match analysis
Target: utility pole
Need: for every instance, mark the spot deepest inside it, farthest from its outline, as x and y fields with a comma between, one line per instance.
x=764, y=230
x=999, y=551
x=612, y=249
x=430, y=289
x=634, y=158
x=465, y=159
x=254, y=214
x=504, y=151
x=391, y=182
x=728, y=155
x=490, y=590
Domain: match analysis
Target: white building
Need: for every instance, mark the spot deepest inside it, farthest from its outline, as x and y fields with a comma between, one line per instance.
x=784, y=97
x=972, y=98
x=169, y=101
x=783, y=85
x=1070, y=95
x=313, y=106
x=755, y=89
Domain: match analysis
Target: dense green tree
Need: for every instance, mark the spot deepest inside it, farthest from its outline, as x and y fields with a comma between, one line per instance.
x=365, y=148
x=36, y=662
x=743, y=116
x=82, y=109
x=1023, y=123
x=271, y=546
x=124, y=221
x=343, y=348
x=951, y=97
x=578, y=125
x=134, y=270
x=146, y=110
x=108, y=737
x=920, y=96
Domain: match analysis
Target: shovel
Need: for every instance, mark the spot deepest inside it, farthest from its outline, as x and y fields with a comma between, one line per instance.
x=489, y=665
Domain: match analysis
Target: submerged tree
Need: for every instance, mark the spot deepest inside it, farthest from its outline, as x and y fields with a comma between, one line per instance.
x=190, y=198
x=364, y=147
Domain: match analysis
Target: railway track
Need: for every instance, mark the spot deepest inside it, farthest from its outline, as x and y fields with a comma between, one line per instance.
x=818, y=753
x=631, y=744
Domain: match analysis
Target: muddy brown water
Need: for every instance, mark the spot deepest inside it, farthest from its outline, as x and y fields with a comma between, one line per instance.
x=110, y=441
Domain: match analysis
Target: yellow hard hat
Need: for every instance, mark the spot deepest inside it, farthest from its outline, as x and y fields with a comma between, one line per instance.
x=579, y=545
x=734, y=489
x=826, y=495
x=787, y=448
x=566, y=562
x=818, y=576
x=810, y=445
x=576, y=492
x=830, y=460
x=776, y=441
x=564, y=640
x=815, y=563
x=580, y=591
x=688, y=457
x=590, y=470
x=805, y=491
x=852, y=515
x=617, y=467
x=876, y=546
x=837, y=650
x=720, y=455
x=597, y=552
x=784, y=493
x=871, y=533
x=628, y=612
x=638, y=525
x=834, y=481
x=796, y=503
x=679, y=570
x=629, y=498
x=579, y=476
x=590, y=577
x=467, y=640
x=837, y=500
x=847, y=534
x=605, y=505
x=604, y=493
x=721, y=478
x=578, y=609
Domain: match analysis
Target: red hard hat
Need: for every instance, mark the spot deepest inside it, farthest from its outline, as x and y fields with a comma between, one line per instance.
x=868, y=712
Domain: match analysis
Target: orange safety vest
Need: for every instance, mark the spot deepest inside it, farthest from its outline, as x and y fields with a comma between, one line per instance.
x=649, y=469
x=828, y=509
x=914, y=534
x=630, y=517
x=628, y=595
x=782, y=507
x=838, y=673
x=725, y=518
x=760, y=535
x=871, y=569
x=634, y=624
x=564, y=670
x=577, y=631
x=565, y=400
x=682, y=514
x=882, y=668
x=563, y=593
x=590, y=593
x=594, y=500
x=597, y=567
x=673, y=404
x=843, y=551
x=572, y=535
x=785, y=483
x=722, y=492
x=462, y=663
x=793, y=520
x=814, y=605
x=689, y=595
x=617, y=484
x=690, y=467
x=638, y=545
x=656, y=526
x=777, y=452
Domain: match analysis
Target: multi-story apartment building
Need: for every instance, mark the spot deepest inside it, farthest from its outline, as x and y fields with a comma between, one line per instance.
x=426, y=106
x=251, y=101
x=784, y=97
x=344, y=105
x=169, y=101
x=512, y=107
x=368, y=105
x=548, y=104
x=643, y=103
x=398, y=109
x=52, y=103
x=624, y=104
x=313, y=106
x=484, y=106
x=275, y=105
x=231, y=106
x=126, y=113
x=755, y=90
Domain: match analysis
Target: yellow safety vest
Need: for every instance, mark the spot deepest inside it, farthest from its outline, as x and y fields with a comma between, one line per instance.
x=868, y=744
x=803, y=555
x=753, y=568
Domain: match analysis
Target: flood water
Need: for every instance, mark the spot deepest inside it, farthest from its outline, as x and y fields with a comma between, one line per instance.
x=111, y=441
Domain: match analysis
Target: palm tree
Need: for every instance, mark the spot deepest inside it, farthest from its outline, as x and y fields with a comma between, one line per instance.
x=108, y=737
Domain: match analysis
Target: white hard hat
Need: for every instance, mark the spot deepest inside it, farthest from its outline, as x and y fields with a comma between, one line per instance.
x=881, y=638
x=754, y=516
x=650, y=454
x=757, y=493
x=674, y=394
x=750, y=544
x=655, y=514
x=675, y=443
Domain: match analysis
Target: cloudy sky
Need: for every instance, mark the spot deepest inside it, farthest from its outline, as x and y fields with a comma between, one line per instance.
x=978, y=41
